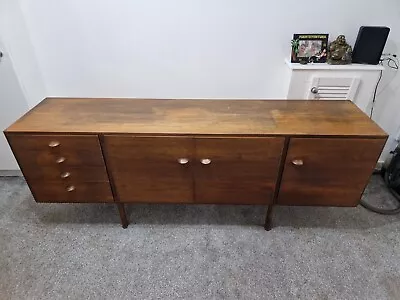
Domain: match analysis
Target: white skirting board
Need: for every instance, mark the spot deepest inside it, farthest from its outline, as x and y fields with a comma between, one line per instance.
x=379, y=165
x=10, y=173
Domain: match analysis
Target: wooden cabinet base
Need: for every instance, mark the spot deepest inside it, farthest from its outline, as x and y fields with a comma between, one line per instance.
x=264, y=152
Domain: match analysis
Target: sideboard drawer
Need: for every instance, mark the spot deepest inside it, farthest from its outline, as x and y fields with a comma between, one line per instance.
x=328, y=171
x=66, y=173
x=72, y=150
x=49, y=191
x=53, y=163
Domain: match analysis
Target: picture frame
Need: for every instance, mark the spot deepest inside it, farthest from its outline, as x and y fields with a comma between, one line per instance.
x=308, y=48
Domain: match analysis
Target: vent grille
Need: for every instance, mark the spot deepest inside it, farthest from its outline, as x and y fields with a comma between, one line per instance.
x=333, y=88
x=333, y=92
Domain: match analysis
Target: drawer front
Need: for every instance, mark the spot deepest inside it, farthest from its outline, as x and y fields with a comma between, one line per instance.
x=65, y=173
x=70, y=150
x=237, y=170
x=147, y=169
x=50, y=191
x=328, y=171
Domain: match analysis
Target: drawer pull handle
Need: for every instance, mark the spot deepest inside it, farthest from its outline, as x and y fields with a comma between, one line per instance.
x=54, y=144
x=60, y=160
x=70, y=188
x=183, y=161
x=297, y=162
x=205, y=161
x=65, y=175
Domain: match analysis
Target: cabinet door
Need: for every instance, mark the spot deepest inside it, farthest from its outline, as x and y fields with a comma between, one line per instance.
x=328, y=171
x=150, y=169
x=237, y=170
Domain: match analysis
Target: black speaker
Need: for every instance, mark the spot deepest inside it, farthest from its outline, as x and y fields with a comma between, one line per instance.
x=369, y=44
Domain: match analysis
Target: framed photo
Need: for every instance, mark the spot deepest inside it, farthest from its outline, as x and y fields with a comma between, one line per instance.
x=309, y=48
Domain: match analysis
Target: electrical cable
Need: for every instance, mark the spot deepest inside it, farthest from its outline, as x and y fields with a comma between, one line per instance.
x=390, y=60
x=392, y=173
x=392, y=180
x=374, y=98
x=393, y=77
x=396, y=63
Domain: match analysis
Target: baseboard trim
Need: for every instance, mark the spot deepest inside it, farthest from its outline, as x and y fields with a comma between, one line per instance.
x=10, y=173
x=379, y=165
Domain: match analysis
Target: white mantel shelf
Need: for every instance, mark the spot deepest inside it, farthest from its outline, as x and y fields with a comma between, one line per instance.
x=325, y=66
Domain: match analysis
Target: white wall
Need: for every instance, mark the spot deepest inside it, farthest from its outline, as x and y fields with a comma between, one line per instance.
x=387, y=105
x=16, y=39
x=21, y=85
x=194, y=49
x=12, y=105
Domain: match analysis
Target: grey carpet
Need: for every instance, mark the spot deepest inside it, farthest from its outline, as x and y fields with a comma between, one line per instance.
x=57, y=251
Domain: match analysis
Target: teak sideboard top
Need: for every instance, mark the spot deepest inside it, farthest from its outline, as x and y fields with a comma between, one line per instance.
x=198, y=117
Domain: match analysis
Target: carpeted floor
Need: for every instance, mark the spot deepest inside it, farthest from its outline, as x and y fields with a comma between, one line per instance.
x=57, y=251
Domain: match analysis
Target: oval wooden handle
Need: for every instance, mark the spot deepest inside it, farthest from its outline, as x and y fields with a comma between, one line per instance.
x=70, y=188
x=65, y=174
x=297, y=162
x=183, y=161
x=205, y=161
x=54, y=144
x=60, y=160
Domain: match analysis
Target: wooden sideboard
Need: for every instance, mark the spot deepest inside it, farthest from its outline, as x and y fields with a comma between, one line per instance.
x=268, y=152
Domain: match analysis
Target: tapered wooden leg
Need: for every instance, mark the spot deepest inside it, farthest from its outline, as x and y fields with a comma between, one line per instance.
x=122, y=215
x=268, y=218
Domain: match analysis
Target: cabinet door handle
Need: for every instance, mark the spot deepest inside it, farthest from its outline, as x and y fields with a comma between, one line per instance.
x=65, y=175
x=297, y=162
x=70, y=188
x=183, y=161
x=54, y=144
x=205, y=161
x=60, y=160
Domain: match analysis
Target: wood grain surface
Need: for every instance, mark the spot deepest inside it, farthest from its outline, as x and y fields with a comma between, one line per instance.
x=242, y=170
x=77, y=150
x=334, y=171
x=146, y=169
x=82, y=166
x=197, y=117
x=245, y=141
x=66, y=173
x=84, y=192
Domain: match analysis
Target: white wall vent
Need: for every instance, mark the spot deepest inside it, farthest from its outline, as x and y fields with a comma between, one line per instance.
x=333, y=88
